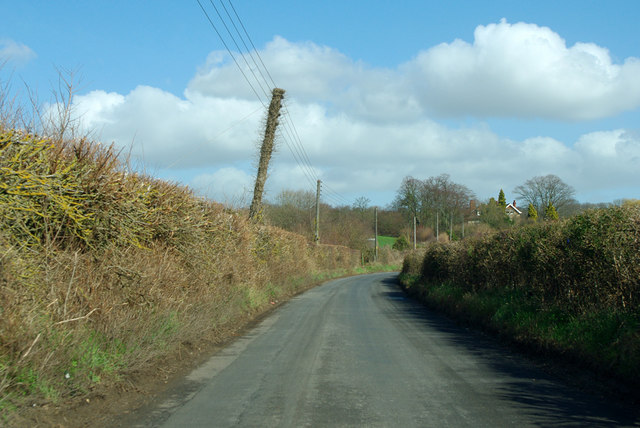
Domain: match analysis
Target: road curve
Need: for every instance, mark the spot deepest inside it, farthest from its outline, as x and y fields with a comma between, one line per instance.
x=356, y=352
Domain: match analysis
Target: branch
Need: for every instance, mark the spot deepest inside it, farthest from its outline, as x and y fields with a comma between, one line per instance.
x=76, y=319
x=30, y=347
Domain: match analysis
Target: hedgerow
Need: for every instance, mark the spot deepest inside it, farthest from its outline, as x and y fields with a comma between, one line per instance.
x=103, y=271
x=571, y=286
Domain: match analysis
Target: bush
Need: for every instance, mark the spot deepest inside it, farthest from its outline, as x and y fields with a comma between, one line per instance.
x=104, y=271
x=570, y=285
x=401, y=243
x=590, y=260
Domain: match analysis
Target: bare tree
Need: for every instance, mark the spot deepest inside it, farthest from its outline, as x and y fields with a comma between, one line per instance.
x=408, y=197
x=361, y=204
x=437, y=198
x=293, y=210
x=304, y=200
x=540, y=191
x=443, y=196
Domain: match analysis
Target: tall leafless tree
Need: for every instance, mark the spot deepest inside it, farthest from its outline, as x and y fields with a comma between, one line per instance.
x=434, y=198
x=539, y=191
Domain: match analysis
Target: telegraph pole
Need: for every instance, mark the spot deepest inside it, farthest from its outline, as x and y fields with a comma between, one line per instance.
x=255, y=211
x=317, y=238
x=415, y=241
x=451, y=227
x=375, y=211
x=463, y=226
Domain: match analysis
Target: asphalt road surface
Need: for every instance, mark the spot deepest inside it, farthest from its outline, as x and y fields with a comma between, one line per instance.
x=356, y=352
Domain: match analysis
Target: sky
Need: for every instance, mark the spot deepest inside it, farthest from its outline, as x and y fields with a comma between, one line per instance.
x=491, y=93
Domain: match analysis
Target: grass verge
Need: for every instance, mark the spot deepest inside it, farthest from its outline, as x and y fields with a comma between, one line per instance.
x=604, y=341
x=567, y=288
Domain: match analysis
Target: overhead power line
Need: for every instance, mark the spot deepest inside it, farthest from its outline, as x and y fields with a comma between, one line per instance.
x=245, y=44
x=252, y=45
x=298, y=151
x=230, y=53
x=335, y=196
x=264, y=91
x=260, y=80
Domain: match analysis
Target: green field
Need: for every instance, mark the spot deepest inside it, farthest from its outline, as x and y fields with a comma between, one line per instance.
x=386, y=241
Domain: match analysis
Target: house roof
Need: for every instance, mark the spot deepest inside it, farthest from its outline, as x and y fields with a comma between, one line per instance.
x=513, y=207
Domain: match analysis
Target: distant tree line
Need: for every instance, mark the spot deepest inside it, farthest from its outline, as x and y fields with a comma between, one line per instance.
x=440, y=206
x=352, y=226
x=436, y=202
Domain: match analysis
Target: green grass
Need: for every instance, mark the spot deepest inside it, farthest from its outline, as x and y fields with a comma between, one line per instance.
x=322, y=276
x=94, y=358
x=30, y=382
x=386, y=241
x=373, y=268
x=605, y=340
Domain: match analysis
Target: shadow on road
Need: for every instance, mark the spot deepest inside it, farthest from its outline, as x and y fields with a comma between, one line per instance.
x=545, y=398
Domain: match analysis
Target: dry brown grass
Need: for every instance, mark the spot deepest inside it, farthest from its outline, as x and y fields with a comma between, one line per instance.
x=103, y=271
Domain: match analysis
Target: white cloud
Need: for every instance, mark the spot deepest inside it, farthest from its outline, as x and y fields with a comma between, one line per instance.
x=510, y=70
x=14, y=52
x=312, y=74
x=365, y=129
x=171, y=132
x=608, y=159
x=309, y=71
x=526, y=71
x=98, y=108
x=229, y=185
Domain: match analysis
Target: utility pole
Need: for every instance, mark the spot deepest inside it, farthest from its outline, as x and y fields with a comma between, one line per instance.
x=462, y=226
x=451, y=227
x=414, y=233
x=437, y=226
x=317, y=238
x=375, y=211
x=255, y=211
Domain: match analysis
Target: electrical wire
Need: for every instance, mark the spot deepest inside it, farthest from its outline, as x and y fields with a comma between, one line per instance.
x=231, y=54
x=289, y=133
x=335, y=195
x=266, y=93
x=294, y=141
x=294, y=133
x=252, y=45
x=245, y=44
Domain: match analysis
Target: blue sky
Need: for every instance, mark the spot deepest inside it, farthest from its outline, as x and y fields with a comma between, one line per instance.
x=492, y=93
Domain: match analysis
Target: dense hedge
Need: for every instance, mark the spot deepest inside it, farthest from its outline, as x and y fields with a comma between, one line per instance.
x=103, y=271
x=589, y=261
x=568, y=288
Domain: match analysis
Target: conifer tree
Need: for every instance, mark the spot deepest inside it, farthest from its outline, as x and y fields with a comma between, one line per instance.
x=532, y=213
x=550, y=213
x=502, y=201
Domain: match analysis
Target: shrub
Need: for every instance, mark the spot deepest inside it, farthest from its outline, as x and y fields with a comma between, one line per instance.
x=103, y=271
x=568, y=286
x=590, y=260
x=401, y=243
